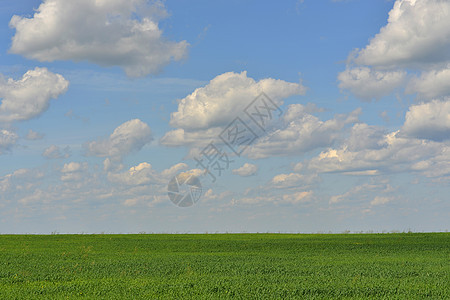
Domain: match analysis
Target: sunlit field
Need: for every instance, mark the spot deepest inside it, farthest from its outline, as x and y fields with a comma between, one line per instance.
x=242, y=266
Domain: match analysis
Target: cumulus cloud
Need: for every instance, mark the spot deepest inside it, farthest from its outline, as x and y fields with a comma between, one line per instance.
x=129, y=137
x=431, y=84
x=384, y=153
x=411, y=52
x=71, y=184
x=292, y=180
x=144, y=174
x=363, y=136
x=417, y=33
x=75, y=183
x=21, y=180
x=416, y=37
x=291, y=188
x=246, y=170
x=29, y=97
x=364, y=192
x=203, y=115
x=121, y=33
x=73, y=171
x=181, y=137
x=428, y=120
x=174, y=170
x=366, y=83
x=301, y=132
x=73, y=167
x=55, y=152
x=226, y=96
x=137, y=175
x=7, y=140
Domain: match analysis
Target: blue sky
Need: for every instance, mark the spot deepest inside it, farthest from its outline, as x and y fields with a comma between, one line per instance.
x=104, y=102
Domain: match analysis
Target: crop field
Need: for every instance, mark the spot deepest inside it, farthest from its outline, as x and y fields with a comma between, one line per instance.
x=238, y=266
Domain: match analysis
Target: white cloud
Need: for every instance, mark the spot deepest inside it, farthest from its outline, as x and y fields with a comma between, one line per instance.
x=417, y=33
x=33, y=135
x=29, y=97
x=416, y=38
x=384, y=153
x=379, y=200
x=181, y=137
x=72, y=167
x=412, y=52
x=225, y=97
x=431, y=84
x=109, y=165
x=363, y=192
x=294, y=198
x=75, y=185
x=54, y=152
x=138, y=175
x=292, y=188
x=73, y=171
x=21, y=180
x=144, y=174
x=129, y=137
x=428, y=121
x=174, y=170
x=300, y=132
x=298, y=197
x=7, y=140
x=292, y=180
x=363, y=136
x=121, y=33
x=202, y=115
x=246, y=170
x=366, y=83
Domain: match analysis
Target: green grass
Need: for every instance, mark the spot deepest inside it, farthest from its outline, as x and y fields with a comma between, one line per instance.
x=210, y=266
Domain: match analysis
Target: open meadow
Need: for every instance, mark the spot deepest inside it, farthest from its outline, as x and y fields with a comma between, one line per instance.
x=209, y=266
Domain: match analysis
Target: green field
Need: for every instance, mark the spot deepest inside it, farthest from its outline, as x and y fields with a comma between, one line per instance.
x=210, y=266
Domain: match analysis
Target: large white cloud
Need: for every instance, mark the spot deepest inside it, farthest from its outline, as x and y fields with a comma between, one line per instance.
x=29, y=97
x=121, y=33
x=417, y=33
x=225, y=97
x=129, y=137
x=429, y=120
x=416, y=38
x=202, y=115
